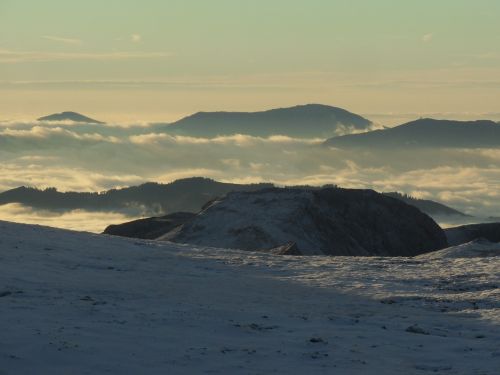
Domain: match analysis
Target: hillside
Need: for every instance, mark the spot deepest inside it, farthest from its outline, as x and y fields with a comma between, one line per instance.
x=426, y=133
x=329, y=221
x=466, y=233
x=80, y=303
x=303, y=121
x=188, y=194
x=431, y=208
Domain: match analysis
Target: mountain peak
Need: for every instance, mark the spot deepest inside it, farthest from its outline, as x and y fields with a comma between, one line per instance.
x=69, y=116
x=308, y=120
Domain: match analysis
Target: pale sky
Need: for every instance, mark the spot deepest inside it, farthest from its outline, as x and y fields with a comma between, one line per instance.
x=152, y=60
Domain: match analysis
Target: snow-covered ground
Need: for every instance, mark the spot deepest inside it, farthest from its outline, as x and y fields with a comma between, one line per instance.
x=79, y=303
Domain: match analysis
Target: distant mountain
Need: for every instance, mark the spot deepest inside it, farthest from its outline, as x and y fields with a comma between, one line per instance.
x=426, y=133
x=188, y=194
x=69, y=116
x=471, y=232
x=307, y=121
x=431, y=208
x=331, y=221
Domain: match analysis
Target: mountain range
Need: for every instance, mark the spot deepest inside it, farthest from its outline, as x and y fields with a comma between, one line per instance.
x=188, y=195
x=425, y=133
x=304, y=121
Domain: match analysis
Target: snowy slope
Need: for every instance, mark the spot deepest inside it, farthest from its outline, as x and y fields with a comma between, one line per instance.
x=79, y=303
x=472, y=249
x=327, y=221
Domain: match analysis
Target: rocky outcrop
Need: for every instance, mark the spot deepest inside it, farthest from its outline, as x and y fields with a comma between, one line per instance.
x=471, y=232
x=149, y=228
x=329, y=221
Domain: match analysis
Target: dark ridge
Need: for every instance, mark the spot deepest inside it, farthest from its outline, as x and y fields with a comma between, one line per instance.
x=466, y=233
x=311, y=120
x=425, y=133
x=429, y=207
x=70, y=116
x=153, y=199
x=149, y=199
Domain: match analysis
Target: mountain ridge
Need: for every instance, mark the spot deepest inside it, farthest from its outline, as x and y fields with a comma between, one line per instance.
x=69, y=116
x=309, y=120
x=189, y=194
x=425, y=133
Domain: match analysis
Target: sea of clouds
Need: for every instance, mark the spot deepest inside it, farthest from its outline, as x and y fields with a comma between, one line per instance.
x=80, y=157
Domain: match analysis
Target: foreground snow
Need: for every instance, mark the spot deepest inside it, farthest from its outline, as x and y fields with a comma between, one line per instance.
x=77, y=303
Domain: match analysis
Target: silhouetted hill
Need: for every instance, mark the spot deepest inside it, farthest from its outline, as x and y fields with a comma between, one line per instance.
x=466, y=233
x=330, y=221
x=69, y=116
x=426, y=133
x=188, y=194
x=307, y=121
x=431, y=208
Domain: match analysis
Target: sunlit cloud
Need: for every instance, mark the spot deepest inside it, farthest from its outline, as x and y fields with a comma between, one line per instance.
x=62, y=39
x=82, y=157
x=80, y=220
x=427, y=37
x=135, y=38
x=9, y=56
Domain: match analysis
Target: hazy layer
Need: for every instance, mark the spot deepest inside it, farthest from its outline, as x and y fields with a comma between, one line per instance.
x=99, y=157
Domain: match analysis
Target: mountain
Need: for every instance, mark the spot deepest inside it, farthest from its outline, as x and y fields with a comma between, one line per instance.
x=331, y=221
x=188, y=194
x=478, y=248
x=429, y=207
x=304, y=121
x=69, y=116
x=149, y=228
x=80, y=303
x=426, y=133
x=471, y=232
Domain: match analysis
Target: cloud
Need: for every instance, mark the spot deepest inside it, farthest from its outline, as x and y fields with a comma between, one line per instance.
x=427, y=37
x=94, y=158
x=135, y=38
x=9, y=56
x=62, y=40
x=80, y=220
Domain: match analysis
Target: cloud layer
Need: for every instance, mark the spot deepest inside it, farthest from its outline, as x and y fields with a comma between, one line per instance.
x=94, y=158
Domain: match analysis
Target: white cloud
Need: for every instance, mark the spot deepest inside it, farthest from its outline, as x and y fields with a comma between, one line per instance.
x=135, y=38
x=95, y=158
x=62, y=39
x=427, y=37
x=80, y=220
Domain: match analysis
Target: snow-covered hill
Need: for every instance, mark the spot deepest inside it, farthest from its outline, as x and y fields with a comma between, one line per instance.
x=78, y=303
x=473, y=249
x=328, y=221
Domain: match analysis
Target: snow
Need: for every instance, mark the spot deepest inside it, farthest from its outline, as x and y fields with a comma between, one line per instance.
x=472, y=249
x=81, y=303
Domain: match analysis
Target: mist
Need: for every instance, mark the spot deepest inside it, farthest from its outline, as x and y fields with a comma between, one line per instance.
x=76, y=157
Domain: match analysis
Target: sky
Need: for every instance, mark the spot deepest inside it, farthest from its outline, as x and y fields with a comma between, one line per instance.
x=155, y=60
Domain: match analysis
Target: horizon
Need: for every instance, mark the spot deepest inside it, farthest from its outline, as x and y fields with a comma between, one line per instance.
x=169, y=59
x=389, y=119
